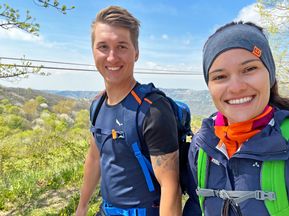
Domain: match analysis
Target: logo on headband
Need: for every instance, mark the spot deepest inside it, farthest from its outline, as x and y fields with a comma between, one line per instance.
x=257, y=52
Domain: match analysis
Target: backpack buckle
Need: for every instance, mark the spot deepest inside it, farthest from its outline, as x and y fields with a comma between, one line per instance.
x=261, y=195
x=117, y=134
x=223, y=194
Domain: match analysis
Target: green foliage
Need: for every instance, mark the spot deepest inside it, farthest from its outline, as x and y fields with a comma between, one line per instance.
x=30, y=109
x=41, y=167
x=13, y=122
x=196, y=122
x=4, y=101
x=275, y=18
x=55, y=4
x=81, y=120
x=40, y=100
x=13, y=18
x=64, y=106
x=72, y=205
x=15, y=71
x=13, y=110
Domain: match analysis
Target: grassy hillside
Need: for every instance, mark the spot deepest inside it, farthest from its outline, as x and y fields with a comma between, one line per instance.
x=43, y=143
x=19, y=96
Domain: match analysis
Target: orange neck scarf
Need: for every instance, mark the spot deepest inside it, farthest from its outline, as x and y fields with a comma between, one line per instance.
x=234, y=135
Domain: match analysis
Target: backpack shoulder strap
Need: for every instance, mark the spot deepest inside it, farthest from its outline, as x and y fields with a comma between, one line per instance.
x=140, y=94
x=143, y=92
x=273, y=179
x=202, y=174
x=285, y=129
x=95, y=107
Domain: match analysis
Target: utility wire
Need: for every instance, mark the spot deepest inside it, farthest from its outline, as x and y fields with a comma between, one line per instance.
x=92, y=70
x=47, y=61
x=150, y=71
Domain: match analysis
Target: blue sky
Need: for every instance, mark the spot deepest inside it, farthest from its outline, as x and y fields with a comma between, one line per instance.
x=171, y=38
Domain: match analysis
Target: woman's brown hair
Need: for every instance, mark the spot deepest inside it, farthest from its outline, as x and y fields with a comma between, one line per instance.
x=277, y=100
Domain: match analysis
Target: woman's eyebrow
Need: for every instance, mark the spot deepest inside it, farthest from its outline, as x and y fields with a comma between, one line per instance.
x=216, y=70
x=249, y=60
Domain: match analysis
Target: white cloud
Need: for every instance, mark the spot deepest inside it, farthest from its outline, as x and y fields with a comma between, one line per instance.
x=152, y=37
x=165, y=36
x=249, y=14
x=246, y=14
x=187, y=41
x=17, y=34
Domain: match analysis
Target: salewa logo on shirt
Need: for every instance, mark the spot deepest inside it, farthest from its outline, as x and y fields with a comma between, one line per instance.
x=256, y=164
x=119, y=124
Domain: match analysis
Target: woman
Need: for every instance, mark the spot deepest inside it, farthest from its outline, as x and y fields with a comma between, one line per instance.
x=231, y=155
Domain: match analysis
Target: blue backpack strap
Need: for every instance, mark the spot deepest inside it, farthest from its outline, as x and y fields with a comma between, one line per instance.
x=95, y=107
x=140, y=93
x=145, y=166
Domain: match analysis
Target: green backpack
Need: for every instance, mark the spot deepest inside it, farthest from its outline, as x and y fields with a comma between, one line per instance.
x=272, y=179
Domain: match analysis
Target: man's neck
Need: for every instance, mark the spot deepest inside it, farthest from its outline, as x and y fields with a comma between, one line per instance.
x=116, y=93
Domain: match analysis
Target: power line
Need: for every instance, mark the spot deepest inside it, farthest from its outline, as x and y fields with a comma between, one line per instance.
x=150, y=71
x=92, y=70
x=47, y=61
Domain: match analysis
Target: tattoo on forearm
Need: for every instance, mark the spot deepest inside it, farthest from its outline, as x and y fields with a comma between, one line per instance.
x=168, y=161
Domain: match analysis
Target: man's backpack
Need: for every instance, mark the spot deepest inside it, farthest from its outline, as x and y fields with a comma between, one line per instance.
x=183, y=118
x=273, y=184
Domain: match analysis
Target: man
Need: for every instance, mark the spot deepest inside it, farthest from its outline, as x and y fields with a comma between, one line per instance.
x=123, y=186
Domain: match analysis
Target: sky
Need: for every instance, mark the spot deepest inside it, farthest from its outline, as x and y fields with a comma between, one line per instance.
x=172, y=34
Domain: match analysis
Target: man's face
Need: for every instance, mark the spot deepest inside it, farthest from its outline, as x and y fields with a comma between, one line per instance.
x=114, y=54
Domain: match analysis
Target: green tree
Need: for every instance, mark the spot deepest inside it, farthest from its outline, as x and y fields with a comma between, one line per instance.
x=14, y=122
x=82, y=119
x=13, y=18
x=13, y=110
x=4, y=101
x=40, y=99
x=275, y=18
x=64, y=106
x=30, y=109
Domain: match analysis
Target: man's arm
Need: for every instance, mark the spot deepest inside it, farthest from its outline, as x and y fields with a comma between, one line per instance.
x=166, y=169
x=91, y=178
x=161, y=137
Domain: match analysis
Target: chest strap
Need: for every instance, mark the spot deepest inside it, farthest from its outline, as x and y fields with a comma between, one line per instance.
x=236, y=196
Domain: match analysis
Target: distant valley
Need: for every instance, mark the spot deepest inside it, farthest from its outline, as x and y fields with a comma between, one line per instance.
x=200, y=102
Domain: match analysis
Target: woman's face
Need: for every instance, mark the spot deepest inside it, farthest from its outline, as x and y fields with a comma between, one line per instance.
x=239, y=85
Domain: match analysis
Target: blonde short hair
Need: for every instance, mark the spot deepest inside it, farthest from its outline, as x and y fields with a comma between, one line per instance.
x=119, y=17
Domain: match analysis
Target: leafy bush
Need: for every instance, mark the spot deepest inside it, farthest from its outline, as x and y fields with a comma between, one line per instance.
x=36, y=161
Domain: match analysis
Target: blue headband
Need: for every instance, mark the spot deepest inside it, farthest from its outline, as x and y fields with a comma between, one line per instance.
x=238, y=36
